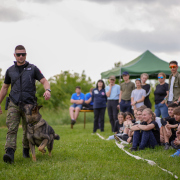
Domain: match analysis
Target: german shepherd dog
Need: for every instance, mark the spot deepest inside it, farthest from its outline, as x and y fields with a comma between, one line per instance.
x=39, y=133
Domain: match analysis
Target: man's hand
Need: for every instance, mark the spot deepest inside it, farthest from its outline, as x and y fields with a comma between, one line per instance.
x=0, y=110
x=118, y=107
x=129, y=139
x=47, y=95
x=176, y=142
x=133, y=103
x=176, y=102
x=168, y=126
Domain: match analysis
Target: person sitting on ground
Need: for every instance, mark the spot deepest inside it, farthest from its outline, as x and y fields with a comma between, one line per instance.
x=129, y=120
x=99, y=99
x=176, y=143
x=138, y=95
x=168, y=127
x=146, y=135
x=88, y=103
x=77, y=100
x=160, y=95
x=119, y=126
x=139, y=120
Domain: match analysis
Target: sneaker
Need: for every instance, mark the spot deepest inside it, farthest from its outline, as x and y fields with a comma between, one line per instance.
x=176, y=153
x=26, y=153
x=73, y=121
x=9, y=156
x=166, y=146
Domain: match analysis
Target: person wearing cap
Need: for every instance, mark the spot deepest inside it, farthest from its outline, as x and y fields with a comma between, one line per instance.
x=174, y=84
x=112, y=93
x=125, y=93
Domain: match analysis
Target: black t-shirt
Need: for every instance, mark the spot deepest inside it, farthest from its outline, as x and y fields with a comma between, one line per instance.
x=160, y=92
x=147, y=88
x=38, y=75
x=118, y=127
x=156, y=131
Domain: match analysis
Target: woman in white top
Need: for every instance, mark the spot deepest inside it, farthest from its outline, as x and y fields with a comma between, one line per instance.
x=138, y=95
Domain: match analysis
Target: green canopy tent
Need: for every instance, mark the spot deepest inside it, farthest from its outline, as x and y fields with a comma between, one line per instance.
x=145, y=63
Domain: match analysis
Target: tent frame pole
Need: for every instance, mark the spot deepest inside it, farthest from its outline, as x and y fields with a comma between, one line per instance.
x=120, y=76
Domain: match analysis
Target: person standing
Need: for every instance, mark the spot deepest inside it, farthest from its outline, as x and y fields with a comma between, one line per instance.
x=112, y=93
x=137, y=95
x=99, y=99
x=147, y=88
x=125, y=93
x=77, y=100
x=174, y=84
x=160, y=95
x=22, y=77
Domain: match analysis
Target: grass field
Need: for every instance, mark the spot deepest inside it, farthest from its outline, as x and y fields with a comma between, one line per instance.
x=81, y=155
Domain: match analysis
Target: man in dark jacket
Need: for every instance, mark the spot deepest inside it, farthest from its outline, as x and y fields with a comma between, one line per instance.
x=21, y=76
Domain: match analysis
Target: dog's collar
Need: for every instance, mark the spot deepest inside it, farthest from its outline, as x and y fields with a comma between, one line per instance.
x=32, y=124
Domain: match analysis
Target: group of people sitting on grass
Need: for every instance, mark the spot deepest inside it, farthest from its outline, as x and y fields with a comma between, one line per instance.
x=146, y=130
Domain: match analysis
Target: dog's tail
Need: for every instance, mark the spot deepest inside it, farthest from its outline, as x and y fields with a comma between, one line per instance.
x=57, y=137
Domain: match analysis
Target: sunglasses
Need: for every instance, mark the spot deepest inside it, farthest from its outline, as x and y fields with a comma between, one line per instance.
x=138, y=79
x=160, y=77
x=19, y=54
x=172, y=66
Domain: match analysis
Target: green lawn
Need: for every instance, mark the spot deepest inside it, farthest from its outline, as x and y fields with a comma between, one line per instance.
x=81, y=155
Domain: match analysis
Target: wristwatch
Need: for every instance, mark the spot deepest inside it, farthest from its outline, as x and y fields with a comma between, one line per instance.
x=48, y=90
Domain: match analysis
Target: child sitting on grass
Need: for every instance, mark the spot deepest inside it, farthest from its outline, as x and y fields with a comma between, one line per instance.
x=129, y=120
x=139, y=120
x=146, y=135
x=176, y=143
x=169, y=127
x=119, y=127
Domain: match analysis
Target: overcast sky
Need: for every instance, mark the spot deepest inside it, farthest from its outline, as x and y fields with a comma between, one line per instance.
x=88, y=35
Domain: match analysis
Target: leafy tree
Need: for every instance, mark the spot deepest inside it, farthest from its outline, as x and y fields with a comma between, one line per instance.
x=118, y=64
x=62, y=87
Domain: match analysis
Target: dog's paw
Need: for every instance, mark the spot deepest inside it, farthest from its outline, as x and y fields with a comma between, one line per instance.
x=42, y=150
x=34, y=159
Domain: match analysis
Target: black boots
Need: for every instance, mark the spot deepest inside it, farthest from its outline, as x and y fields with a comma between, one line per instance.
x=9, y=156
x=26, y=153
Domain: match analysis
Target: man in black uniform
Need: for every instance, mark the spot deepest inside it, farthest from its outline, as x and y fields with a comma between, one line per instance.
x=22, y=77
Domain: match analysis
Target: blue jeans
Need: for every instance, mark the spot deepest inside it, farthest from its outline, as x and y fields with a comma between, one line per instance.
x=144, y=139
x=125, y=106
x=161, y=109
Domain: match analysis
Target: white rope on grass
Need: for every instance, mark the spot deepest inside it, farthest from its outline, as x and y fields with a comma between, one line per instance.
x=152, y=163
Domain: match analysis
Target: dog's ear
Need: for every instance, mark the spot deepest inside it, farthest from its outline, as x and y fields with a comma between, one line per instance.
x=39, y=107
